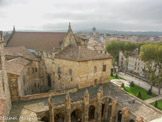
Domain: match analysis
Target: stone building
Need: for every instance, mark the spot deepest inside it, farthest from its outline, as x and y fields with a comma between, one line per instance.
x=135, y=64
x=80, y=67
x=26, y=73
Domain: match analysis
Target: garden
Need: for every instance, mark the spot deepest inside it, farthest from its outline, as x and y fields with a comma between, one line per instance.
x=139, y=91
x=157, y=104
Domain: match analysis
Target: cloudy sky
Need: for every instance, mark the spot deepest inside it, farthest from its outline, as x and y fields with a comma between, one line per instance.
x=49, y=15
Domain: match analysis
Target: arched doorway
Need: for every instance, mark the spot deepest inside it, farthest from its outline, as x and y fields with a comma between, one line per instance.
x=91, y=112
x=44, y=119
x=59, y=117
x=119, y=116
x=131, y=120
x=49, y=80
x=76, y=115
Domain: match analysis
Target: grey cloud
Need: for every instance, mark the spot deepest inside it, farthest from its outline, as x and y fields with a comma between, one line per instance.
x=104, y=14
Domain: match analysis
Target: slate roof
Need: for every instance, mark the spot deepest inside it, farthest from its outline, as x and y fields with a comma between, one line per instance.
x=78, y=53
x=37, y=40
x=20, y=52
x=16, y=65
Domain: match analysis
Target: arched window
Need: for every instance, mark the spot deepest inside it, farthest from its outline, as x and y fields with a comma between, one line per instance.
x=49, y=80
x=76, y=115
x=44, y=119
x=131, y=120
x=59, y=117
x=91, y=112
x=119, y=116
x=103, y=107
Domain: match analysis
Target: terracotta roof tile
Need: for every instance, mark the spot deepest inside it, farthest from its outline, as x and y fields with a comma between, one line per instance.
x=77, y=53
x=20, y=52
x=16, y=65
x=37, y=40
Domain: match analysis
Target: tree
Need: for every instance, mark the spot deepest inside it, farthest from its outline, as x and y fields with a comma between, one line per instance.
x=113, y=48
x=159, y=66
x=127, y=48
x=139, y=95
x=132, y=84
x=148, y=54
x=122, y=85
x=156, y=104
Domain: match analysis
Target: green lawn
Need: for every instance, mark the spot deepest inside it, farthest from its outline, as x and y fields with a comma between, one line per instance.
x=113, y=77
x=134, y=90
x=159, y=104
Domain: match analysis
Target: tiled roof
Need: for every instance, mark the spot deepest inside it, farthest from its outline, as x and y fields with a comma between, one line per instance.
x=20, y=52
x=16, y=65
x=37, y=40
x=78, y=53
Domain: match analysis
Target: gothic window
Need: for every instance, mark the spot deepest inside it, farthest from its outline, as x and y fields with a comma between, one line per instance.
x=71, y=79
x=95, y=69
x=119, y=116
x=24, y=79
x=59, y=76
x=35, y=69
x=59, y=70
x=104, y=68
x=91, y=112
x=49, y=80
x=70, y=71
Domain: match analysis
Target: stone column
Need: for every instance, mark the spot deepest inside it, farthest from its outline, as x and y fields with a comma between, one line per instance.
x=140, y=119
x=114, y=111
x=126, y=115
x=51, y=109
x=107, y=102
x=68, y=108
x=99, y=105
x=86, y=107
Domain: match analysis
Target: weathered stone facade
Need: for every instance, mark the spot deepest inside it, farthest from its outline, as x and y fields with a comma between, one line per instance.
x=31, y=80
x=70, y=74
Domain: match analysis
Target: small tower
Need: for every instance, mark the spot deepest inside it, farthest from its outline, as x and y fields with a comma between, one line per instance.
x=94, y=31
x=14, y=29
x=69, y=29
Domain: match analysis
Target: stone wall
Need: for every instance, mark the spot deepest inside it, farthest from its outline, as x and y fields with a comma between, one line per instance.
x=4, y=87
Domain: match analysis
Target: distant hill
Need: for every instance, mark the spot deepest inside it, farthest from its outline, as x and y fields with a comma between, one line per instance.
x=138, y=33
